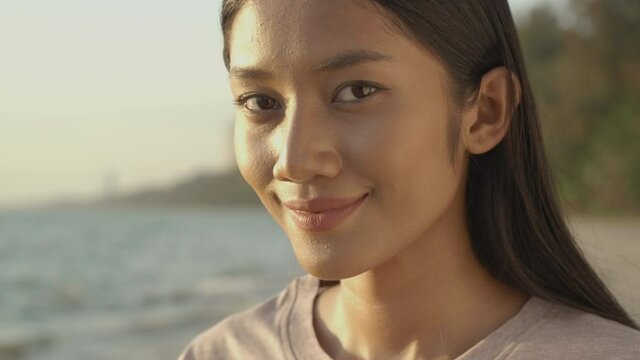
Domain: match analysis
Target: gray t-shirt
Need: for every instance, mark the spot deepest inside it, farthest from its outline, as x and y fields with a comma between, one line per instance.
x=282, y=328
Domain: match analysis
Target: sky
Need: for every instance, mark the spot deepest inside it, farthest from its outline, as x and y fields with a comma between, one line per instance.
x=112, y=95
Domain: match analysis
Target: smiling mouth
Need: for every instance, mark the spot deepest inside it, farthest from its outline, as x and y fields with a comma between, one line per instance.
x=320, y=205
x=328, y=219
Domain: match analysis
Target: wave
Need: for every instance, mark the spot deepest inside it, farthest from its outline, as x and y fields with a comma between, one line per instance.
x=220, y=285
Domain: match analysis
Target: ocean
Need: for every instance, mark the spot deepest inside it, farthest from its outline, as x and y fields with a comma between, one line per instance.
x=140, y=284
x=135, y=284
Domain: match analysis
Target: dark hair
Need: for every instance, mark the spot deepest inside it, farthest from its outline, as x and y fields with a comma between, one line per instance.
x=517, y=226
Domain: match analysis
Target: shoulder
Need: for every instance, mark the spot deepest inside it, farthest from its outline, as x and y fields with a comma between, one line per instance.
x=252, y=333
x=571, y=333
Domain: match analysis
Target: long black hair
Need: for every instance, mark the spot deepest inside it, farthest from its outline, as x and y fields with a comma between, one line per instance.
x=518, y=229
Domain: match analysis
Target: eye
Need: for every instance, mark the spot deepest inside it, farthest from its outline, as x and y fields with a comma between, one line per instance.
x=257, y=103
x=355, y=92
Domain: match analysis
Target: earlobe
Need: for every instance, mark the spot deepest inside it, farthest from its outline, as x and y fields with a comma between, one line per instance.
x=488, y=120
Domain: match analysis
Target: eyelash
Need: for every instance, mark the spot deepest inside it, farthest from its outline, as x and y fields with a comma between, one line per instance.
x=242, y=99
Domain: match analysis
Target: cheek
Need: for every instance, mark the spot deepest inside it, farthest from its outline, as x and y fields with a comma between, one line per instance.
x=410, y=160
x=252, y=158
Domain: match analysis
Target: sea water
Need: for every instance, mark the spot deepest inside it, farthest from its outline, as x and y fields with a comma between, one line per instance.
x=139, y=284
x=131, y=284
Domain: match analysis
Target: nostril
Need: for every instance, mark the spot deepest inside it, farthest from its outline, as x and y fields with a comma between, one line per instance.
x=304, y=166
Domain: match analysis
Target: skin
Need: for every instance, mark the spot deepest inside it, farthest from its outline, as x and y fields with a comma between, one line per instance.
x=411, y=287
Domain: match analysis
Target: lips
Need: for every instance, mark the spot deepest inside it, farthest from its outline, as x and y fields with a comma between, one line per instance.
x=323, y=214
x=319, y=205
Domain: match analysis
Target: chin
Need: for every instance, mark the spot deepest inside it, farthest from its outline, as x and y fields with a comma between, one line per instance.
x=329, y=267
x=340, y=254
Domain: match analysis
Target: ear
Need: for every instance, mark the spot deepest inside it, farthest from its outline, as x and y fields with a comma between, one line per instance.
x=487, y=120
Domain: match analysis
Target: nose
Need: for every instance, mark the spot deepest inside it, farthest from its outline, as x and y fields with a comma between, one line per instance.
x=306, y=147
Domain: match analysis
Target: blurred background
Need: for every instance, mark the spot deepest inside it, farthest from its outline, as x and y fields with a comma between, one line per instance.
x=125, y=228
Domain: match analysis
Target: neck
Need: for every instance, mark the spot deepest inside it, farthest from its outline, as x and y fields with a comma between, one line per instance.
x=433, y=300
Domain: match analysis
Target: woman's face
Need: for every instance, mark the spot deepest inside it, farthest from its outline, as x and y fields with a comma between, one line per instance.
x=333, y=103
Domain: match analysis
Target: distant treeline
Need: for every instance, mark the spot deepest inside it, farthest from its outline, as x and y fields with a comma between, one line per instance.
x=203, y=190
x=585, y=72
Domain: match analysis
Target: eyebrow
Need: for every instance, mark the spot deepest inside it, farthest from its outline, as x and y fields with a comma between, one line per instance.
x=351, y=58
x=341, y=61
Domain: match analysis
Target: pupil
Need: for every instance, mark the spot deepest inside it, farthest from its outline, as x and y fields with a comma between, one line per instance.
x=264, y=103
x=360, y=92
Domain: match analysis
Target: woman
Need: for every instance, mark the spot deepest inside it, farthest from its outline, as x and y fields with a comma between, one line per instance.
x=397, y=144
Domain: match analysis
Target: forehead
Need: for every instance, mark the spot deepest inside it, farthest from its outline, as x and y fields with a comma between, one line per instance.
x=288, y=34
